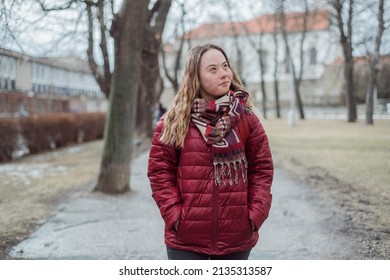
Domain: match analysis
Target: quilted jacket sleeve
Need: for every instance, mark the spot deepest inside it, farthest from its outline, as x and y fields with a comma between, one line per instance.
x=260, y=172
x=162, y=168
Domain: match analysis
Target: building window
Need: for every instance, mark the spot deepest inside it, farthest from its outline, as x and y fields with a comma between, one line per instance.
x=313, y=56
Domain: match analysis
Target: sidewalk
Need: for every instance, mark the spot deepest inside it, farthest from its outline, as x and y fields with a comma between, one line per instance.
x=92, y=225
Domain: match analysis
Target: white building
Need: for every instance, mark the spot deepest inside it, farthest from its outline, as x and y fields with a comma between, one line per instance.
x=320, y=47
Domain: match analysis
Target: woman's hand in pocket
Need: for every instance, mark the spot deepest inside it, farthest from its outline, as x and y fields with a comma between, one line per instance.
x=176, y=225
x=253, y=226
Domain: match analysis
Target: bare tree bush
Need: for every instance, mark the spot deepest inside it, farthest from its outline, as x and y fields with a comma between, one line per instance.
x=373, y=59
x=345, y=27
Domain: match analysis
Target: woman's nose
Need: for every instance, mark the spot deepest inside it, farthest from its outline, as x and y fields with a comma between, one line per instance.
x=223, y=72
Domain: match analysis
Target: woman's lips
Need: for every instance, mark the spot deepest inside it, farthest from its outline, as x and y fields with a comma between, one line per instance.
x=225, y=84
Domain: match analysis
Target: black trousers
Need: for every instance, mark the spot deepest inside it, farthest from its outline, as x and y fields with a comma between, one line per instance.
x=174, y=254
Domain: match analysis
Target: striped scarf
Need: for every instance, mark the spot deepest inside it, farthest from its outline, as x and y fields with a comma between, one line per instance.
x=215, y=120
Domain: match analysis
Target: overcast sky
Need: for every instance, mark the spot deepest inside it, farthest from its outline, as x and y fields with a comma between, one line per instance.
x=64, y=33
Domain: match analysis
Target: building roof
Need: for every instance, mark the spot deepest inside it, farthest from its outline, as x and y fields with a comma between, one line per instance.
x=6, y=52
x=360, y=60
x=68, y=63
x=317, y=20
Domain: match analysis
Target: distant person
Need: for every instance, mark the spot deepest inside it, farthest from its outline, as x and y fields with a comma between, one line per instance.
x=158, y=112
x=161, y=110
x=210, y=165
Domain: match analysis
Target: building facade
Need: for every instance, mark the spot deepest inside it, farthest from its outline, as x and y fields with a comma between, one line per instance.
x=31, y=85
x=244, y=41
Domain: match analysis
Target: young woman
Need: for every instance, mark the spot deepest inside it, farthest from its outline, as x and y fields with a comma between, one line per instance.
x=210, y=165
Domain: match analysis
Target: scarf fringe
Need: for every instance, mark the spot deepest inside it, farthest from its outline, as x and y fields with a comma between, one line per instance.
x=223, y=171
x=216, y=121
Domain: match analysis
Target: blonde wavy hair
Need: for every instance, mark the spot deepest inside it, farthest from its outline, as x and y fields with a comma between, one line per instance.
x=177, y=118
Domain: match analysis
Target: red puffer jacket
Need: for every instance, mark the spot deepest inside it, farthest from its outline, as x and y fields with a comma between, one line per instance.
x=214, y=220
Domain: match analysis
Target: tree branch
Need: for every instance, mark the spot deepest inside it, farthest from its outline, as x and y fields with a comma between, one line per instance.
x=90, y=53
x=58, y=8
x=103, y=45
x=154, y=10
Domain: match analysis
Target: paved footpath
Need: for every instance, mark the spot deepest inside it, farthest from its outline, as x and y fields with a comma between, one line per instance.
x=92, y=225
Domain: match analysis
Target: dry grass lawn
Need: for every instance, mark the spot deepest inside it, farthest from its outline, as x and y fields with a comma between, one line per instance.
x=350, y=159
x=31, y=187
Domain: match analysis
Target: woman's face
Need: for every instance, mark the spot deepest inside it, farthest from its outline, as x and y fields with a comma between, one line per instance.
x=214, y=74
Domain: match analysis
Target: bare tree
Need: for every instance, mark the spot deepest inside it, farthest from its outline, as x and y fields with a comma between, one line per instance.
x=174, y=78
x=276, y=64
x=127, y=29
x=302, y=41
x=261, y=55
x=228, y=5
x=4, y=19
x=374, y=66
x=296, y=77
x=96, y=15
x=9, y=19
x=345, y=30
x=103, y=78
x=151, y=85
x=136, y=32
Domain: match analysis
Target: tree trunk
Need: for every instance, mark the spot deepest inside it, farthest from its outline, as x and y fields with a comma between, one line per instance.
x=276, y=64
x=346, y=43
x=150, y=90
x=262, y=83
x=277, y=102
x=370, y=100
x=297, y=91
x=151, y=85
x=351, y=100
x=103, y=79
x=128, y=33
x=374, y=66
x=296, y=80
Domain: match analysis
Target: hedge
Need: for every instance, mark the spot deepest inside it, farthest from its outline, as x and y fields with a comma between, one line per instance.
x=50, y=131
x=9, y=138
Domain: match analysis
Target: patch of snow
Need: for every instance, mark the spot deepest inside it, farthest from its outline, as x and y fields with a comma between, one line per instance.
x=74, y=150
x=21, y=148
x=25, y=172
